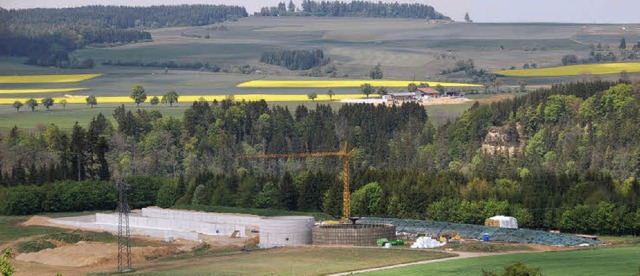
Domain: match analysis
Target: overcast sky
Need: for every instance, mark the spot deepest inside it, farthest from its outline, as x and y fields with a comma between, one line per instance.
x=581, y=11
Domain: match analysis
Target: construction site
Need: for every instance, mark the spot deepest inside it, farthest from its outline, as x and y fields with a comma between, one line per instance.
x=171, y=232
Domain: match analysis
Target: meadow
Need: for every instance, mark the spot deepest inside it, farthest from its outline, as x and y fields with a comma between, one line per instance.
x=574, y=70
x=295, y=261
x=591, y=261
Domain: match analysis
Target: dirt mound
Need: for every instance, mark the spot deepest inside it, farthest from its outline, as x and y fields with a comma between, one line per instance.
x=76, y=255
x=37, y=220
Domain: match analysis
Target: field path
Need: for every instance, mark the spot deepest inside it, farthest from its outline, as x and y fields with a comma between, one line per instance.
x=461, y=255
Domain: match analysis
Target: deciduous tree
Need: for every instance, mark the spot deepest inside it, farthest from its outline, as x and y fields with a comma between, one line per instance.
x=312, y=96
x=523, y=85
x=47, y=102
x=376, y=72
x=138, y=95
x=6, y=269
x=412, y=87
x=366, y=89
x=17, y=105
x=32, y=103
x=382, y=91
x=92, y=101
x=170, y=97
x=331, y=94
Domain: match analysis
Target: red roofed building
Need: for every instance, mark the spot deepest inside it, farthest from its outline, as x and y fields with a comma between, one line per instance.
x=428, y=91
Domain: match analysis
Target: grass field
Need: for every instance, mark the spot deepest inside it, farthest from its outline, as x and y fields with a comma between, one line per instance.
x=10, y=229
x=47, y=78
x=342, y=83
x=592, y=261
x=297, y=261
x=66, y=118
x=574, y=70
x=40, y=90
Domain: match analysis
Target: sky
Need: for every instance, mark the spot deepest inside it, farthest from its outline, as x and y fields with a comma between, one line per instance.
x=577, y=11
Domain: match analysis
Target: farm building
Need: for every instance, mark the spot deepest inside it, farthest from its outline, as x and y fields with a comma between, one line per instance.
x=428, y=92
x=400, y=97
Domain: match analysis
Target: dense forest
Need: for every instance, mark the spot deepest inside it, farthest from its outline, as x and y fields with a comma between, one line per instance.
x=294, y=59
x=353, y=9
x=47, y=36
x=563, y=158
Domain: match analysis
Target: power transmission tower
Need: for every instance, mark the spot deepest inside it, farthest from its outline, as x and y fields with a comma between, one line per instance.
x=124, y=241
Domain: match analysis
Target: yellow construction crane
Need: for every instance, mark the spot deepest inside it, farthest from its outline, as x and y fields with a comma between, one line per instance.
x=346, y=155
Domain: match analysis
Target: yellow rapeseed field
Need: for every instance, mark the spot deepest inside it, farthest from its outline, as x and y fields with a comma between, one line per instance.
x=47, y=78
x=39, y=90
x=191, y=98
x=574, y=70
x=339, y=83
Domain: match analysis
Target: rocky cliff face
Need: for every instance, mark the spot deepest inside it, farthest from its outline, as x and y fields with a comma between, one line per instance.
x=500, y=140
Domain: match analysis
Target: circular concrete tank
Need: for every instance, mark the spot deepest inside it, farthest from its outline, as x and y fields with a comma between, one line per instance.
x=285, y=231
x=352, y=234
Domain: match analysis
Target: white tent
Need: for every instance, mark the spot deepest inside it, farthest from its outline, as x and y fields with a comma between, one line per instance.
x=502, y=222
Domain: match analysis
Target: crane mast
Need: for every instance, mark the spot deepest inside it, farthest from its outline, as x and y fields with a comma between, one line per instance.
x=346, y=155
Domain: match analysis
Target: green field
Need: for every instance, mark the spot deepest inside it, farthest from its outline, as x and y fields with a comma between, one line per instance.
x=591, y=261
x=294, y=261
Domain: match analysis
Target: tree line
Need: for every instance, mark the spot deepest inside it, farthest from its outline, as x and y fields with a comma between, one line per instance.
x=353, y=9
x=164, y=64
x=47, y=36
x=564, y=157
x=294, y=59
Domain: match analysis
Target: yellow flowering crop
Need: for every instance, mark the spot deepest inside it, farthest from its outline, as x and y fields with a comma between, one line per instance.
x=574, y=70
x=47, y=78
x=339, y=83
x=191, y=98
x=39, y=90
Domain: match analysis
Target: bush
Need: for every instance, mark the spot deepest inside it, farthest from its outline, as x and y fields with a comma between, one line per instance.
x=77, y=236
x=35, y=246
x=167, y=194
x=72, y=237
x=22, y=200
x=144, y=190
x=58, y=197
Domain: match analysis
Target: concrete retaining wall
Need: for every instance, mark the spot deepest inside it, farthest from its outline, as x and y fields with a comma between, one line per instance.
x=180, y=224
